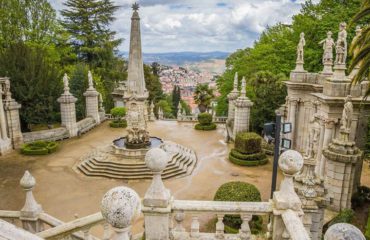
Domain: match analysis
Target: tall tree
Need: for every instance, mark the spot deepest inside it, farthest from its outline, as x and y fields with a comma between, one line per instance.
x=153, y=85
x=176, y=97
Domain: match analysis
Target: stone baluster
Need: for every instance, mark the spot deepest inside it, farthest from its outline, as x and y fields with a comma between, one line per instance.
x=87, y=235
x=31, y=209
x=157, y=207
x=220, y=227
x=106, y=231
x=285, y=235
x=194, y=229
x=245, y=231
x=343, y=231
x=179, y=218
x=92, y=101
x=120, y=207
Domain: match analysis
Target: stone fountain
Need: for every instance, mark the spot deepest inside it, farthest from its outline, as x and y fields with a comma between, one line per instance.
x=124, y=158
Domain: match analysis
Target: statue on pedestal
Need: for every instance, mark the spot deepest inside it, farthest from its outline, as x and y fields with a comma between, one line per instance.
x=91, y=82
x=300, y=49
x=328, y=45
x=347, y=115
x=341, y=46
x=66, y=82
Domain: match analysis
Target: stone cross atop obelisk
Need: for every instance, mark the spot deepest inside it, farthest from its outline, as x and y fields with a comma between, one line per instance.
x=136, y=83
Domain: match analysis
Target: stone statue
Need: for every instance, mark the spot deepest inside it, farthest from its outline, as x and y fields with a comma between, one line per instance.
x=313, y=139
x=341, y=46
x=300, y=48
x=91, y=83
x=328, y=45
x=347, y=115
x=66, y=82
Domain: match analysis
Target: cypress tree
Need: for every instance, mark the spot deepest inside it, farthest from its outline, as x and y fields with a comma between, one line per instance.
x=176, y=97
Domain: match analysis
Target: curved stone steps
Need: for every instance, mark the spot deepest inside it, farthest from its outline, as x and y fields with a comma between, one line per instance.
x=180, y=165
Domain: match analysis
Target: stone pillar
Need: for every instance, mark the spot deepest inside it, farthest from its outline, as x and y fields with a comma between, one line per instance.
x=342, y=156
x=157, y=207
x=308, y=118
x=120, y=207
x=101, y=108
x=152, y=116
x=5, y=142
x=92, y=101
x=328, y=136
x=320, y=146
x=31, y=209
x=242, y=111
x=160, y=113
x=232, y=96
x=67, y=109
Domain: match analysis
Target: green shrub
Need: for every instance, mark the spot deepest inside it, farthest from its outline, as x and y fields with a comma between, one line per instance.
x=39, y=148
x=118, y=112
x=367, y=230
x=239, y=192
x=118, y=124
x=209, y=127
x=248, y=157
x=248, y=142
x=344, y=216
x=361, y=197
x=205, y=118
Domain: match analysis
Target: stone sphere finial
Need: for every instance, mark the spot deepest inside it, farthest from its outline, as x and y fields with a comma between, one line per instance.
x=27, y=181
x=120, y=206
x=291, y=162
x=341, y=231
x=156, y=159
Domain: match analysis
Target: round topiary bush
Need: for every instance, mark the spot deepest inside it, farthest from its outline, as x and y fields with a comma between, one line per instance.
x=39, y=148
x=205, y=118
x=239, y=192
x=118, y=124
x=248, y=142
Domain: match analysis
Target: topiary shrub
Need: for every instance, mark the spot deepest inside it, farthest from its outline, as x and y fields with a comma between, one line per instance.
x=248, y=142
x=118, y=123
x=239, y=192
x=118, y=112
x=367, y=229
x=205, y=122
x=39, y=148
x=248, y=150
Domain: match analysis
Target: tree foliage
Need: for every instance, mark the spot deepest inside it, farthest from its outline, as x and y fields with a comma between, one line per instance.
x=203, y=96
x=176, y=97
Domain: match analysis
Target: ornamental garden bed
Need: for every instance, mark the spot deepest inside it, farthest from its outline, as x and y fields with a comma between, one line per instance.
x=205, y=122
x=39, y=148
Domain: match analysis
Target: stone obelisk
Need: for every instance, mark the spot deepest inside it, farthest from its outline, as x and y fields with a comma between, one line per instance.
x=136, y=95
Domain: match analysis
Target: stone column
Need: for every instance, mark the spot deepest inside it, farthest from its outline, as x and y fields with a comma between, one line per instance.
x=67, y=109
x=292, y=119
x=306, y=129
x=232, y=96
x=92, y=101
x=5, y=143
x=152, y=116
x=242, y=111
x=320, y=146
x=328, y=136
x=157, y=207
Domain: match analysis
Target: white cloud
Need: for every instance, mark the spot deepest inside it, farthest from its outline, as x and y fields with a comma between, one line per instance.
x=200, y=25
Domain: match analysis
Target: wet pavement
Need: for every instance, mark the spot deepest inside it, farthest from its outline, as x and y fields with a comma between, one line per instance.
x=63, y=193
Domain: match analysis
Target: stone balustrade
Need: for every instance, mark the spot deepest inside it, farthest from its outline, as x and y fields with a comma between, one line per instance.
x=165, y=217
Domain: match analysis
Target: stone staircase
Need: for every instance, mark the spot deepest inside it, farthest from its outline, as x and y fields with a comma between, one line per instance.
x=182, y=163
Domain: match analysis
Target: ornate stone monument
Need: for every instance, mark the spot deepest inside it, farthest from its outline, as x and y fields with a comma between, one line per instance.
x=341, y=53
x=300, y=54
x=242, y=111
x=67, y=109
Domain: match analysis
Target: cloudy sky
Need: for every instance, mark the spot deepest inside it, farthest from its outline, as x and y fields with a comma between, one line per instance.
x=200, y=25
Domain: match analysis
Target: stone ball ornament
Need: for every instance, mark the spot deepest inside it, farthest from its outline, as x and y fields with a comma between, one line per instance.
x=156, y=159
x=291, y=162
x=343, y=231
x=120, y=207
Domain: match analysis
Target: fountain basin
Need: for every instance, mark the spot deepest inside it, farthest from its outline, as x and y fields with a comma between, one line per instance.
x=120, y=147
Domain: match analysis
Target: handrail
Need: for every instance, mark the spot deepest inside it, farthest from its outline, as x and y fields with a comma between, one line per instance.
x=11, y=232
x=254, y=208
x=9, y=214
x=72, y=226
x=294, y=226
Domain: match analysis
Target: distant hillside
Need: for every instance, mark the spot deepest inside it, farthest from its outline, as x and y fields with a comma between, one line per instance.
x=181, y=58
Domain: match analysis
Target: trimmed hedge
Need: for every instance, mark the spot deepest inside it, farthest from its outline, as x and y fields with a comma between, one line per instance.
x=118, y=124
x=39, y=148
x=209, y=127
x=205, y=118
x=248, y=157
x=248, y=142
x=247, y=163
x=239, y=192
